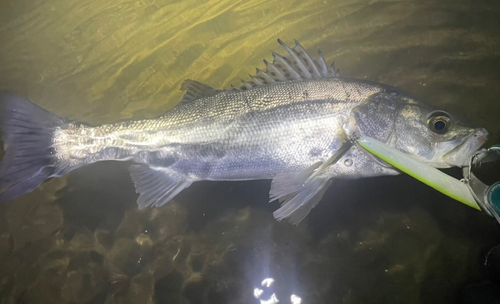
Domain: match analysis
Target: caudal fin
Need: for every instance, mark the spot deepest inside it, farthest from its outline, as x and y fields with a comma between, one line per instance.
x=27, y=132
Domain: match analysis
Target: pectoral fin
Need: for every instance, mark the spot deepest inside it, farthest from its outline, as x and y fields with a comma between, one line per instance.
x=299, y=192
x=156, y=186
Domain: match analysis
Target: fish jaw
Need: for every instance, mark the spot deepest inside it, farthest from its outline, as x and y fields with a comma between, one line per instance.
x=456, y=153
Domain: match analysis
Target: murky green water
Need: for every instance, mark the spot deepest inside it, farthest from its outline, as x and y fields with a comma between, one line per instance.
x=81, y=239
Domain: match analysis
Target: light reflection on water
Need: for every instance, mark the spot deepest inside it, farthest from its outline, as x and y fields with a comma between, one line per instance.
x=270, y=297
x=81, y=239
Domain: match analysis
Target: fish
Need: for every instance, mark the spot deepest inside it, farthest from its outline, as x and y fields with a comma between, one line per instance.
x=295, y=123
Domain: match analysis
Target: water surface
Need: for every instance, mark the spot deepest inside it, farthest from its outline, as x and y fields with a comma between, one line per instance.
x=81, y=239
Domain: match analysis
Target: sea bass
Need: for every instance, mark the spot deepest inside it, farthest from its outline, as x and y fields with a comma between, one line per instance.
x=294, y=123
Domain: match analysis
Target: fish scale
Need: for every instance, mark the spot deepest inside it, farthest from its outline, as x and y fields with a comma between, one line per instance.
x=236, y=120
x=293, y=123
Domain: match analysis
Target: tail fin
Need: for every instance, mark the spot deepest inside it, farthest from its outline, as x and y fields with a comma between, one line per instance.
x=27, y=132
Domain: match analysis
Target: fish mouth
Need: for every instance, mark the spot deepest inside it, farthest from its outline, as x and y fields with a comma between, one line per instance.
x=464, y=148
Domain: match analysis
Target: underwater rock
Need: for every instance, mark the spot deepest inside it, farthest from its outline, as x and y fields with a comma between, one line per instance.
x=74, y=270
x=165, y=222
x=104, y=240
x=83, y=240
x=131, y=225
x=55, y=261
x=127, y=258
x=168, y=289
x=62, y=277
x=140, y=289
x=195, y=289
x=392, y=250
x=83, y=284
x=157, y=224
x=33, y=219
x=145, y=240
x=162, y=264
x=35, y=216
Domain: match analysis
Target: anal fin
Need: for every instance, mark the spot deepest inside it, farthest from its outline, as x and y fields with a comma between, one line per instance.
x=156, y=186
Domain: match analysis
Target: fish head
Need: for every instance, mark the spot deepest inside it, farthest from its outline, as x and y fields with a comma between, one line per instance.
x=433, y=136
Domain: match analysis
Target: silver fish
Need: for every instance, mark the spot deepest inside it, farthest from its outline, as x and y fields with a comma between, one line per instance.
x=293, y=123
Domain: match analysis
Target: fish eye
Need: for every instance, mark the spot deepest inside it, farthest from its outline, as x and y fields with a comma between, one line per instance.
x=439, y=122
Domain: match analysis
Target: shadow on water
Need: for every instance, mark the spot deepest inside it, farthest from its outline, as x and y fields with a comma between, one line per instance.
x=98, y=196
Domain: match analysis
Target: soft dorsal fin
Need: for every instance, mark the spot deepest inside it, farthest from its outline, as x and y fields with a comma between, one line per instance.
x=297, y=64
x=195, y=90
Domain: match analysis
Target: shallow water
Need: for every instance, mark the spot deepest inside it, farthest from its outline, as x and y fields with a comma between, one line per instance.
x=81, y=239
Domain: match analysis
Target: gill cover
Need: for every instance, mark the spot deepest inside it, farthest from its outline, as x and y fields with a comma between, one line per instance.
x=430, y=135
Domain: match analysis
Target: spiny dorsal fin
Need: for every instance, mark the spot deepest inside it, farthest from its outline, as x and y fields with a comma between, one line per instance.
x=297, y=64
x=195, y=90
